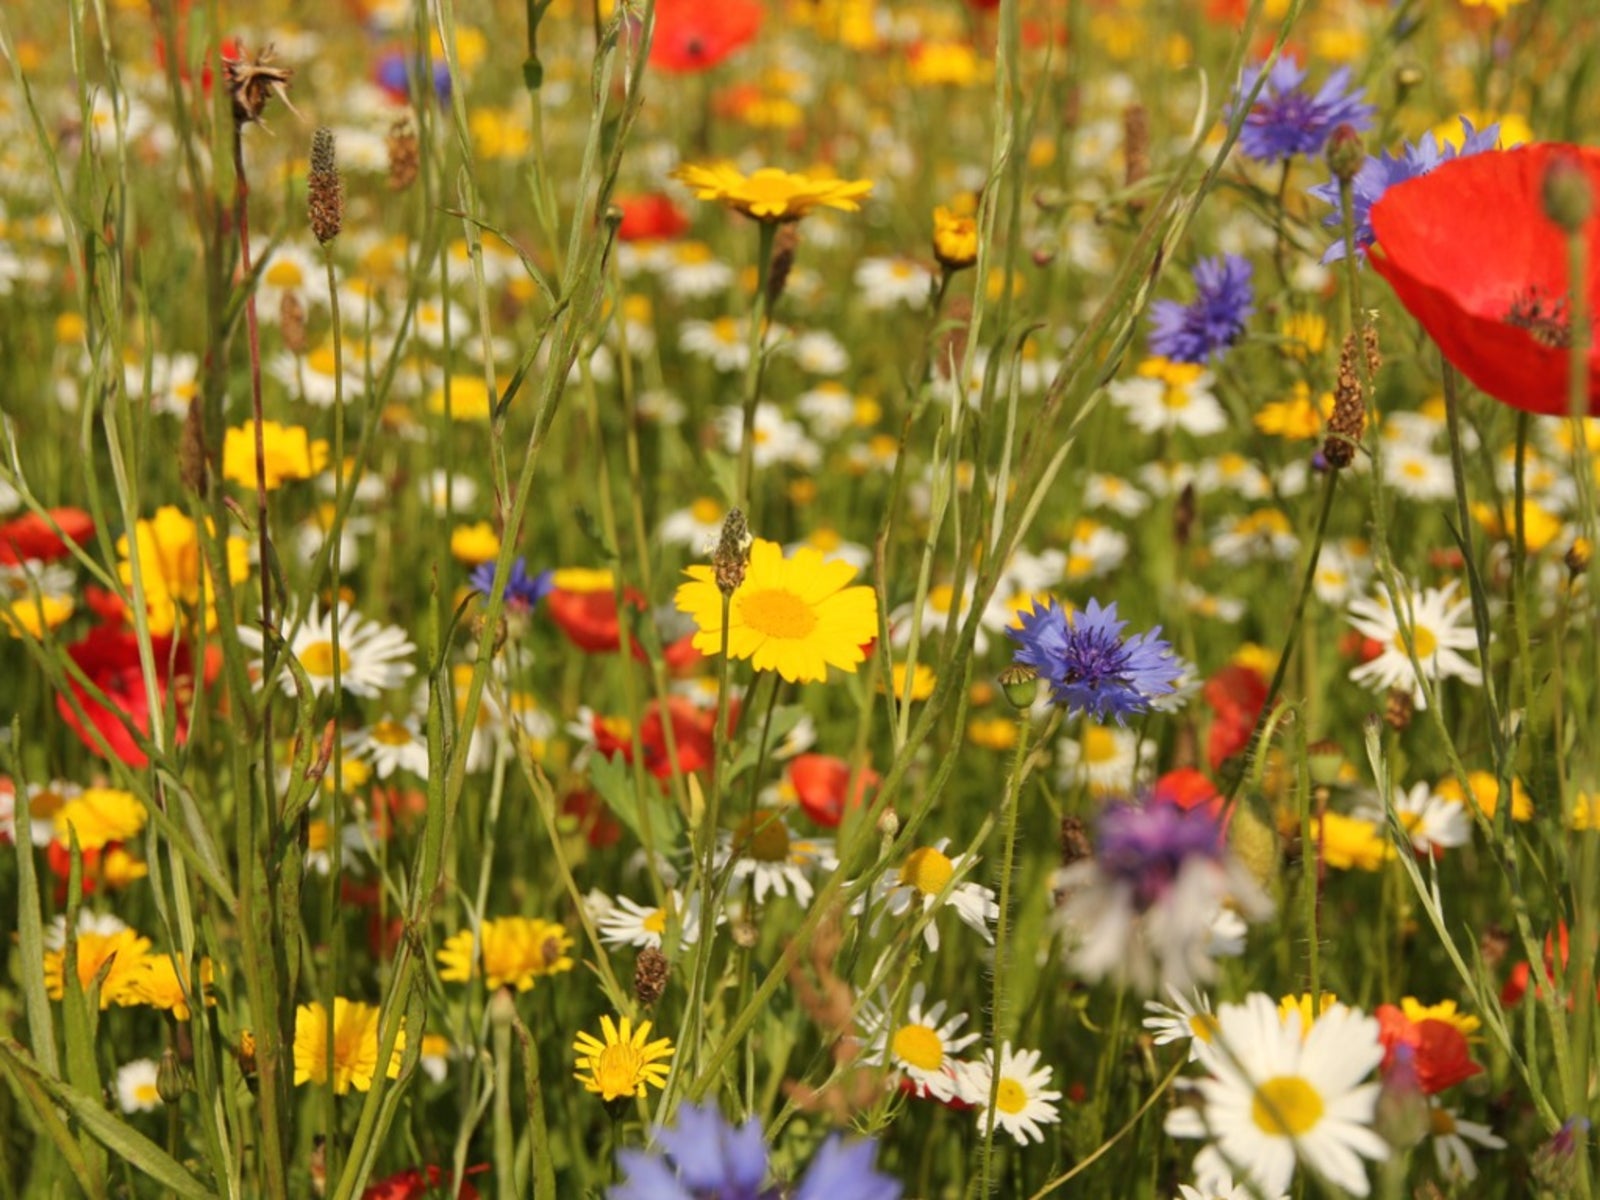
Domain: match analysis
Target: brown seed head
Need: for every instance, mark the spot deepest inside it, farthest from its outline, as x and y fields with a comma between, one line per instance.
x=1349, y=419
x=254, y=81
x=325, y=203
x=785, y=245
x=1398, y=710
x=193, y=468
x=404, y=155
x=292, y=323
x=1135, y=145
x=650, y=973
x=1075, y=843
x=732, y=553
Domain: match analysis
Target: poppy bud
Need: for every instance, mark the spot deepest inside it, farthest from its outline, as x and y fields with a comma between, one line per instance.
x=1020, y=684
x=169, y=1078
x=1324, y=759
x=1567, y=197
x=1346, y=152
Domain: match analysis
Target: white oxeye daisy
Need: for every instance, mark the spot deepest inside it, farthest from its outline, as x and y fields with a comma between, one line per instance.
x=1432, y=822
x=626, y=922
x=777, y=438
x=818, y=352
x=1094, y=550
x=436, y=1053
x=1343, y=569
x=762, y=850
x=1105, y=758
x=1451, y=1138
x=915, y=888
x=136, y=1086
x=1265, y=534
x=290, y=269
x=691, y=271
x=885, y=282
x=1022, y=1103
x=1115, y=493
x=1417, y=472
x=392, y=745
x=1165, y=403
x=1275, y=1096
x=923, y=1045
x=697, y=527
x=1187, y=1019
x=1222, y=1187
x=1441, y=627
x=372, y=657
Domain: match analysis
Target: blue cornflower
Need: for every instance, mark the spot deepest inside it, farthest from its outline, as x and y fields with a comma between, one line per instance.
x=1202, y=329
x=1090, y=666
x=1288, y=119
x=1378, y=174
x=523, y=592
x=704, y=1157
x=1146, y=845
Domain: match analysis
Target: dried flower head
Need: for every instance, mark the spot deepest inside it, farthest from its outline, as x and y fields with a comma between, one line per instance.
x=1135, y=146
x=1349, y=419
x=325, y=202
x=253, y=81
x=784, y=247
x=404, y=155
x=292, y=323
x=733, y=552
x=650, y=973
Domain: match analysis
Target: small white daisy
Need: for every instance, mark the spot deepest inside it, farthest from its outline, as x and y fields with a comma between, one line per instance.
x=697, y=527
x=763, y=851
x=777, y=438
x=1441, y=627
x=886, y=282
x=1115, y=493
x=1187, y=1019
x=1165, y=406
x=1265, y=533
x=136, y=1086
x=1222, y=1187
x=372, y=657
x=1432, y=822
x=1417, y=472
x=691, y=271
x=829, y=408
x=626, y=922
x=392, y=745
x=1104, y=758
x=1024, y=1100
x=923, y=1045
x=818, y=352
x=1453, y=1140
x=916, y=886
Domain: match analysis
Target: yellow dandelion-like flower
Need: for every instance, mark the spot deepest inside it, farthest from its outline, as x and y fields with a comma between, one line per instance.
x=622, y=1061
x=33, y=617
x=1298, y=417
x=125, y=950
x=514, y=952
x=172, y=569
x=97, y=816
x=955, y=239
x=1486, y=794
x=288, y=453
x=160, y=985
x=796, y=616
x=355, y=1045
x=771, y=194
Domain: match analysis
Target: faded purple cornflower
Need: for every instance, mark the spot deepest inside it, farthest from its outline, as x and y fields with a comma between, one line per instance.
x=1148, y=908
x=1090, y=667
x=1288, y=118
x=523, y=591
x=1381, y=172
x=1203, y=329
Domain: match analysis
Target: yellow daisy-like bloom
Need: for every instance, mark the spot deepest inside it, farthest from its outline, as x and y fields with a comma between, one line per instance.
x=287, y=450
x=1499, y=7
x=474, y=544
x=160, y=986
x=355, y=1045
x=1347, y=842
x=955, y=239
x=953, y=64
x=515, y=952
x=920, y=686
x=172, y=569
x=771, y=194
x=33, y=617
x=795, y=616
x=469, y=399
x=100, y=815
x=1298, y=418
x=1486, y=794
x=1309, y=1007
x=1445, y=1010
x=623, y=1062
x=125, y=950
x=1540, y=526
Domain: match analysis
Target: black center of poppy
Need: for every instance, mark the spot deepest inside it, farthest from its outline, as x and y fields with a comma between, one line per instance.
x=1546, y=319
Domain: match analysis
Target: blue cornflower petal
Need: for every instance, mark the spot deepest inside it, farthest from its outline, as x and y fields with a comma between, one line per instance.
x=523, y=592
x=844, y=1170
x=1090, y=666
x=649, y=1178
x=1203, y=330
x=1287, y=119
x=712, y=1156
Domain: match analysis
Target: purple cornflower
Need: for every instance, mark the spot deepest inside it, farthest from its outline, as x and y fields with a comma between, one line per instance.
x=523, y=592
x=1378, y=174
x=1202, y=329
x=704, y=1157
x=1090, y=666
x=1146, y=846
x=1288, y=119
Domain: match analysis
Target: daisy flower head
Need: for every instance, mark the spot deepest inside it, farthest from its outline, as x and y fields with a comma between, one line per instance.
x=372, y=657
x=136, y=1086
x=1441, y=627
x=1187, y=1019
x=1090, y=666
x=507, y=952
x=1276, y=1095
x=923, y=1045
x=1453, y=1139
x=917, y=886
x=1288, y=118
x=355, y=1045
x=770, y=194
x=796, y=616
x=626, y=922
x=1024, y=1100
x=1141, y=909
x=1163, y=397
x=1203, y=329
x=391, y=745
x=763, y=851
x=1431, y=822
x=1220, y=1186
x=622, y=1061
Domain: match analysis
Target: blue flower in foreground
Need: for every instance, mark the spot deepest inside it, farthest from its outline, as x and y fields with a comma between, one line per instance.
x=523, y=592
x=1147, y=845
x=704, y=1157
x=1213, y=321
x=1378, y=174
x=1289, y=119
x=1090, y=666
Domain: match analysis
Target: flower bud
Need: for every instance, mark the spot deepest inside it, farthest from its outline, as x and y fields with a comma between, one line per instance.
x=1020, y=684
x=169, y=1077
x=1345, y=153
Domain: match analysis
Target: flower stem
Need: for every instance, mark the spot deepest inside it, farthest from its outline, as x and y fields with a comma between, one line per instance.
x=753, y=368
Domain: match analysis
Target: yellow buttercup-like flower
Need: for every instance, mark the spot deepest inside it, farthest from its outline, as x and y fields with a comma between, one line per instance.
x=622, y=1061
x=125, y=950
x=515, y=952
x=796, y=616
x=171, y=568
x=955, y=239
x=288, y=453
x=355, y=1045
x=771, y=194
x=160, y=986
x=33, y=617
x=100, y=815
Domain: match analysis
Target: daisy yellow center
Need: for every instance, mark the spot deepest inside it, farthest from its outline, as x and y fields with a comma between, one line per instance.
x=706, y=510
x=1414, y=469
x=1442, y=1122
x=146, y=1093
x=1099, y=745
x=284, y=273
x=1203, y=1026
x=390, y=733
x=617, y=1068
x=1176, y=398
x=318, y=659
x=778, y=613
x=940, y=598
x=927, y=870
x=919, y=1046
x=763, y=837
x=1427, y=645
x=656, y=922
x=1012, y=1097
x=1286, y=1106
x=322, y=361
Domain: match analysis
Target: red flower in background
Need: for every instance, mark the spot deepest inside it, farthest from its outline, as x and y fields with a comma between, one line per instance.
x=589, y=619
x=821, y=783
x=1470, y=253
x=1236, y=695
x=1188, y=789
x=1438, y=1050
x=31, y=536
x=649, y=218
x=693, y=736
x=694, y=35
x=416, y=1182
x=109, y=657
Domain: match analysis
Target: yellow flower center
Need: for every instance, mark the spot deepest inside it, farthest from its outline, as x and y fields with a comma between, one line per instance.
x=146, y=1093
x=777, y=612
x=919, y=1046
x=1203, y=1026
x=927, y=870
x=617, y=1068
x=390, y=733
x=284, y=274
x=941, y=598
x=1012, y=1097
x=763, y=837
x=1286, y=1106
x=656, y=922
x=1099, y=745
x=706, y=510
x=1176, y=398
x=1427, y=645
x=317, y=659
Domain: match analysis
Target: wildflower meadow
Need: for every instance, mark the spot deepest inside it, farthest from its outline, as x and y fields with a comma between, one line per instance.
x=799, y=599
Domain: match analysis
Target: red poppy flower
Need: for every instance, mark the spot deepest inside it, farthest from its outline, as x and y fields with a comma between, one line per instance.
x=416, y=1182
x=821, y=782
x=593, y=819
x=1438, y=1050
x=1236, y=695
x=649, y=218
x=1471, y=254
x=110, y=658
x=1188, y=789
x=693, y=35
x=589, y=619
x=31, y=536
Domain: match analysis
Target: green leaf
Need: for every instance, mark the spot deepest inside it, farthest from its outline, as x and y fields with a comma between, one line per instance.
x=613, y=779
